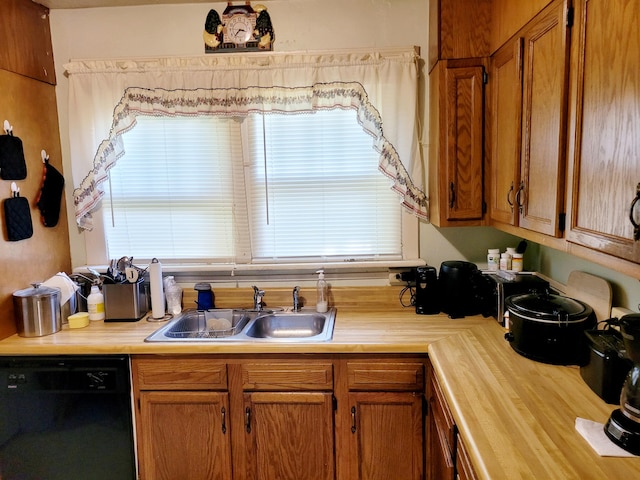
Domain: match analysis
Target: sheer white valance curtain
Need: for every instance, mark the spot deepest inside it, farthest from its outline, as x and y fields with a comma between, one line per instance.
x=106, y=96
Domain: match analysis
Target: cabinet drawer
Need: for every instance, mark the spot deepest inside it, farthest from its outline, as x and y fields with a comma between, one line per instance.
x=442, y=417
x=287, y=376
x=464, y=467
x=179, y=374
x=389, y=376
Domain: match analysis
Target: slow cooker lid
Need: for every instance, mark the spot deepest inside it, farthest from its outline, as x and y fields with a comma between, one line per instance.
x=547, y=305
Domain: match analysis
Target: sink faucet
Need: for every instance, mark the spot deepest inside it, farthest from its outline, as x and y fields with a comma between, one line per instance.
x=257, y=298
x=296, y=298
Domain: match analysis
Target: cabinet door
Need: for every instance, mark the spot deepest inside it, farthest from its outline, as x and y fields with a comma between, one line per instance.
x=386, y=436
x=546, y=54
x=505, y=84
x=604, y=143
x=456, y=154
x=184, y=435
x=290, y=435
x=458, y=29
x=26, y=37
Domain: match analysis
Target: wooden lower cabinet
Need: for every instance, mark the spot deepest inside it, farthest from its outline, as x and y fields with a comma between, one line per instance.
x=447, y=456
x=290, y=435
x=184, y=435
x=309, y=417
x=387, y=434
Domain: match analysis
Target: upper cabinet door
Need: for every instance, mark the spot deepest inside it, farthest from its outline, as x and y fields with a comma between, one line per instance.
x=463, y=171
x=458, y=29
x=505, y=127
x=456, y=137
x=546, y=54
x=604, y=138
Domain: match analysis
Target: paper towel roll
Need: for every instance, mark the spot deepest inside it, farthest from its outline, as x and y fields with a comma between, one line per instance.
x=157, y=289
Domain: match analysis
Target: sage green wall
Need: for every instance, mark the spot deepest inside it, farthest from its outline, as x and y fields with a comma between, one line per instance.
x=558, y=265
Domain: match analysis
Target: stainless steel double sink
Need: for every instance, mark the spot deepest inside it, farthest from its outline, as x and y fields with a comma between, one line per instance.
x=240, y=325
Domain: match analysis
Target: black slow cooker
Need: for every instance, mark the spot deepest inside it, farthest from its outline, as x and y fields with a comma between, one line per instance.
x=549, y=328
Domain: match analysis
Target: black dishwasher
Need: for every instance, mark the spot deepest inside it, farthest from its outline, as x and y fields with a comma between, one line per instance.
x=66, y=417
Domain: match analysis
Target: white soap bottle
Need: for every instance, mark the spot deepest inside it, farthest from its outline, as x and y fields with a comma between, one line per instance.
x=322, y=304
x=95, y=304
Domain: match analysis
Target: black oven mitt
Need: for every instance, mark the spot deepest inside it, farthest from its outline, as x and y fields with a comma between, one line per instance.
x=50, y=195
x=17, y=216
x=12, y=163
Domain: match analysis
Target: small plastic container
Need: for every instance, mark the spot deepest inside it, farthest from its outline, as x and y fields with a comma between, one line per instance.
x=493, y=259
x=517, y=262
x=173, y=294
x=505, y=261
x=322, y=303
x=95, y=304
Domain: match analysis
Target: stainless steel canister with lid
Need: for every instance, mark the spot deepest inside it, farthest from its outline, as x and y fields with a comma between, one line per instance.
x=37, y=311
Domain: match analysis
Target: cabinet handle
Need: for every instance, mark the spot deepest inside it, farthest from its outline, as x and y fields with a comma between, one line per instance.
x=223, y=411
x=247, y=419
x=636, y=227
x=518, y=202
x=509, y=195
x=353, y=419
x=452, y=195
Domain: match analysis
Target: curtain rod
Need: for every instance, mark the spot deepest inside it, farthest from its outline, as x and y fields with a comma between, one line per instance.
x=381, y=50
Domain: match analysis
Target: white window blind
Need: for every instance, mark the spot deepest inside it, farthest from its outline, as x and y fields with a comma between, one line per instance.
x=273, y=188
x=316, y=189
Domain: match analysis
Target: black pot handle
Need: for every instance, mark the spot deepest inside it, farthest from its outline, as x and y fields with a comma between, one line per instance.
x=509, y=337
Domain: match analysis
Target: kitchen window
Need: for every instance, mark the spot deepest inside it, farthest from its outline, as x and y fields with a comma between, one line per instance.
x=256, y=159
x=308, y=189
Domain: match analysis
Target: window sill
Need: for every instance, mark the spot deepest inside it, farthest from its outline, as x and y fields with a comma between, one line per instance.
x=235, y=275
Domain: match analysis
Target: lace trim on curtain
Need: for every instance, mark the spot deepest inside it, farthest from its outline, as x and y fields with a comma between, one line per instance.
x=241, y=102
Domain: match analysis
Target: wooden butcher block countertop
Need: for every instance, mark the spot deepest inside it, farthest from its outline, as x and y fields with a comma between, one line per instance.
x=516, y=416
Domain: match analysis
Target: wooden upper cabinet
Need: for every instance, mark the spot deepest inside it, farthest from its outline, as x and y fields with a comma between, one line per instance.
x=25, y=37
x=528, y=85
x=546, y=59
x=456, y=153
x=604, y=139
x=505, y=128
x=458, y=29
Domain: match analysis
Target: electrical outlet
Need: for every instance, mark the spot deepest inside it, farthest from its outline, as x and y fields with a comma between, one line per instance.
x=402, y=277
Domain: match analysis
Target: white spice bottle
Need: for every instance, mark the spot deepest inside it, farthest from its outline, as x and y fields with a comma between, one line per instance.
x=95, y=304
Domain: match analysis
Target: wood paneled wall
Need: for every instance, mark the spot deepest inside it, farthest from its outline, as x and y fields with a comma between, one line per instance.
x=30, y=106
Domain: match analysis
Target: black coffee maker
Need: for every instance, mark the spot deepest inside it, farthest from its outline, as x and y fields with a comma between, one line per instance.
x=623, y=427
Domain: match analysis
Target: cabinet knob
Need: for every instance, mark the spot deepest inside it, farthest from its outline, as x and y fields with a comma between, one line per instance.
x=518, y=197
x=353, y=419
x=452, y=195
x=247, y=419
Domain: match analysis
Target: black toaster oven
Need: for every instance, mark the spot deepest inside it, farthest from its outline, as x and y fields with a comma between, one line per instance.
x=496, y=289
